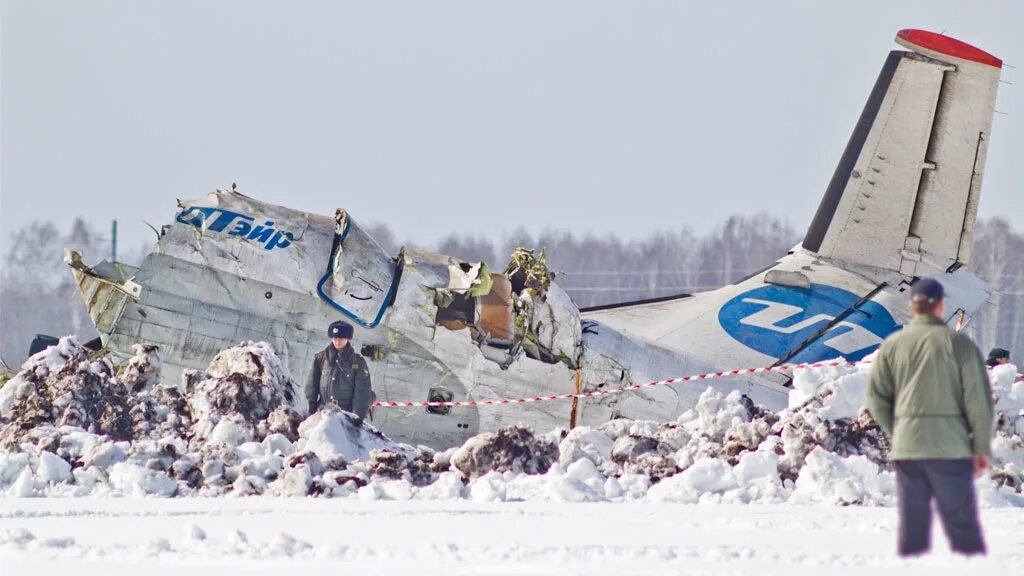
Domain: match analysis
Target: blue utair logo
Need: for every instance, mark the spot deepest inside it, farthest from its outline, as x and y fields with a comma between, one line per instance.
x=775, y=319
x=245, y=227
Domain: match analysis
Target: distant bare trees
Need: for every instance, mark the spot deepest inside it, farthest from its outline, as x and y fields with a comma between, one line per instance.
x=38, y=295
x=605, y=269
x=37, y=291
x=998, y=258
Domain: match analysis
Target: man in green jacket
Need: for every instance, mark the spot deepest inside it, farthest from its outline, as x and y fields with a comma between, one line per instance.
x=930, y=393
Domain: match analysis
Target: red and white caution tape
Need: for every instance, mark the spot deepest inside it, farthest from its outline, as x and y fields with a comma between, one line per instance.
x=708, y=376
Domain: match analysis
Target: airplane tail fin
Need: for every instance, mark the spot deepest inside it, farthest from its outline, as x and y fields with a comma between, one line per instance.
x=904, y=196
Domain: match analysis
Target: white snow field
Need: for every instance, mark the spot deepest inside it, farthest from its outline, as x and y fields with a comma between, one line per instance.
x=108, y=470
x=265, y=535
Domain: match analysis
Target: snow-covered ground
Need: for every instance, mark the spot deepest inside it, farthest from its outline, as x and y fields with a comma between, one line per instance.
x=104, y=464
x=297, y=536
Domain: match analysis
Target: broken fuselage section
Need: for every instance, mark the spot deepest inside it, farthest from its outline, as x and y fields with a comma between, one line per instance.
x=432, y=327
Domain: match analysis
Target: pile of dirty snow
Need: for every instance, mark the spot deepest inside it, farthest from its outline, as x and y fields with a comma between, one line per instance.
x=1008, y=444
x=246, y=395
x=63, y=386
x=72, y=426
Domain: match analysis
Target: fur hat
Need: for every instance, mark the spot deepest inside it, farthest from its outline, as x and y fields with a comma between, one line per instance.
x=340, y=329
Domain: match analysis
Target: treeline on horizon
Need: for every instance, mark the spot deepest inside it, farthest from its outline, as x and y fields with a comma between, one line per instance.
x=38, y=294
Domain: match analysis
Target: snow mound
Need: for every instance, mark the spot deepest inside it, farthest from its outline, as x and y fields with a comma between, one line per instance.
x=71, y=426
x=831, y=479
x=332, y=433
x=418, y=470
x=247, y=393
x=1009, y=394
x=514, y=449
x=158, y=412
x=1008, y=444
x=63, y=386
x=585, y=443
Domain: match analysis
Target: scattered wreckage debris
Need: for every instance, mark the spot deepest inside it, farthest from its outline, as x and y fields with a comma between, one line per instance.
x=517, y=311
x=224, y=436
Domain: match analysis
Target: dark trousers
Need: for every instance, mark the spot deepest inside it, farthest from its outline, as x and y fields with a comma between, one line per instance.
x=950, y=483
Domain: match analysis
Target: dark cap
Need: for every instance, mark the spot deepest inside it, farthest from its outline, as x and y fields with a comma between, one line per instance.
x=339, y=329
x=997, y=353
x=927, y=291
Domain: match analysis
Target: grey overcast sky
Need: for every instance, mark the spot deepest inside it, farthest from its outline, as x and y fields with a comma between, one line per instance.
x=481, y=117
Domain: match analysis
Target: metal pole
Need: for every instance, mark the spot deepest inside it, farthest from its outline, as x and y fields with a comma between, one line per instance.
x=113, y=241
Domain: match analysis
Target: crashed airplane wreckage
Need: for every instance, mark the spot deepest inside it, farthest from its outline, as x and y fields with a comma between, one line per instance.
x=901, y=205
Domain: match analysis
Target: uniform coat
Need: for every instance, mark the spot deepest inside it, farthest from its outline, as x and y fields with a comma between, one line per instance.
x=339, y=376
x=930, y=392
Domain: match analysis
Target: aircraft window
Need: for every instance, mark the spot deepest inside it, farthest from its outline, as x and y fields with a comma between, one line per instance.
x=439, y=395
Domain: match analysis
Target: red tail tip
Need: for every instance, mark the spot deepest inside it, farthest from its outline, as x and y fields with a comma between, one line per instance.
x=948, y=46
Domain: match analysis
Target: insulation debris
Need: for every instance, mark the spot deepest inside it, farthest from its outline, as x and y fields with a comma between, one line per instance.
x=528, y=272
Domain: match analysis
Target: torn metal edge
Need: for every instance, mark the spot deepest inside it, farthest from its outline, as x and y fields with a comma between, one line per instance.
x=338, y=240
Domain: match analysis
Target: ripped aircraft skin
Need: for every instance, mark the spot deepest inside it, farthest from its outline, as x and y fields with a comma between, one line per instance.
x=901, y=205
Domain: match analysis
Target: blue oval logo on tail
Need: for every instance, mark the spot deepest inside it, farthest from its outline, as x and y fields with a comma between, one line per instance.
x=775, y=319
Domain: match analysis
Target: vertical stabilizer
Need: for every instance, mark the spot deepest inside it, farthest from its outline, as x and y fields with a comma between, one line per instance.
x=904, y=196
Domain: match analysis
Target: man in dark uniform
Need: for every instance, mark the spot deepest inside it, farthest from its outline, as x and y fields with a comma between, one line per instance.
x=339, y=375
x=998, y=356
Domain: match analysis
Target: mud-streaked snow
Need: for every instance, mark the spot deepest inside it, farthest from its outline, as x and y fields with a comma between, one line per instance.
x=728, y=487
x=70, y=427
x=84, y=536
